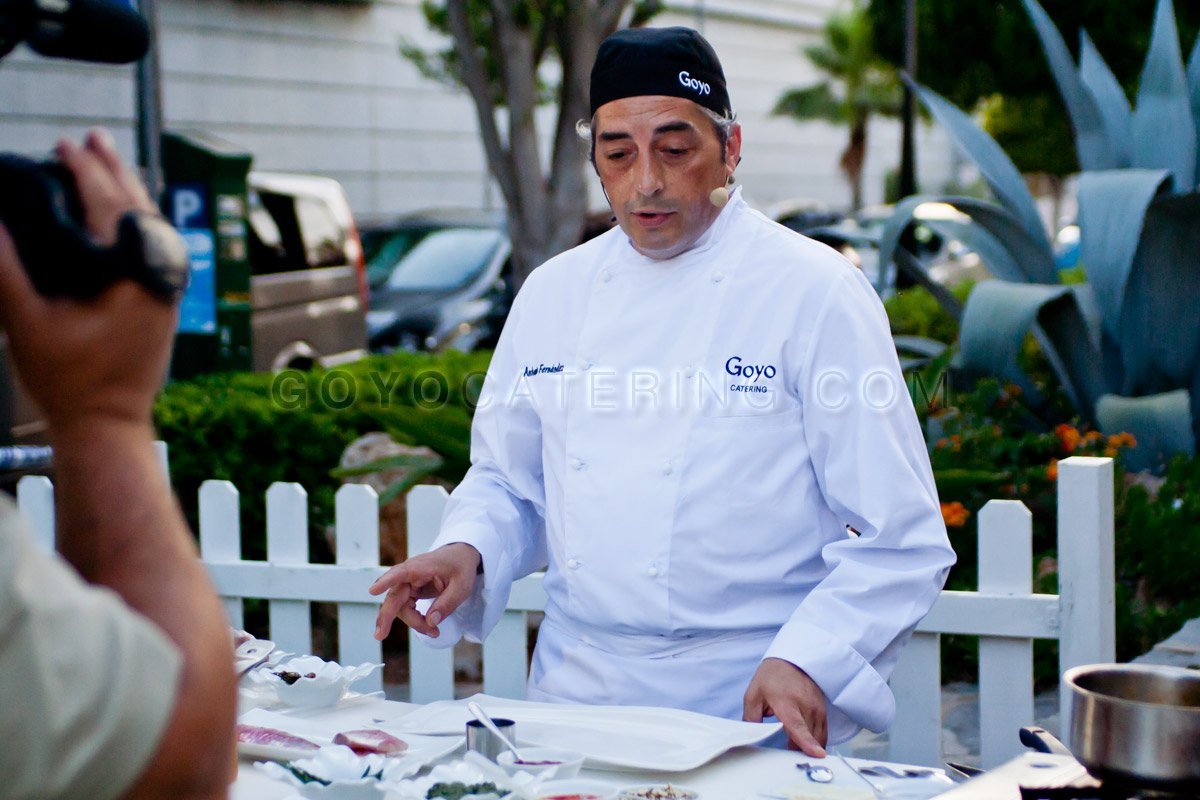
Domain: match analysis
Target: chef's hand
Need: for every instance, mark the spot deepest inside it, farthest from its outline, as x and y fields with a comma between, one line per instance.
x=448, y=573
x=785, y=691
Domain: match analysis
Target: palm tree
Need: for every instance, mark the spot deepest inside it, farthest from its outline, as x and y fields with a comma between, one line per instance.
x=858, y=84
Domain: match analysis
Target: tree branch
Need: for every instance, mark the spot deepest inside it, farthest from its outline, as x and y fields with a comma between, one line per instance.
x=474, y=77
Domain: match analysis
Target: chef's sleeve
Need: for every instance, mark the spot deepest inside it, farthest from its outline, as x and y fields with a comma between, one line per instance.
x=499, y=507
x=873, y=469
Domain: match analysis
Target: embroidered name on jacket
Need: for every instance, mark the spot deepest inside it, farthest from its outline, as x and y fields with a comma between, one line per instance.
x=752, y=374
x=543, y=369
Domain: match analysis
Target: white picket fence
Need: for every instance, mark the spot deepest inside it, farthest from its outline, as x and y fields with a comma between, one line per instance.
x=1004, y=612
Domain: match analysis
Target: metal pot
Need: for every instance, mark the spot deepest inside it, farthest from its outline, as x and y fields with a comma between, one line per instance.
x=1137, y=724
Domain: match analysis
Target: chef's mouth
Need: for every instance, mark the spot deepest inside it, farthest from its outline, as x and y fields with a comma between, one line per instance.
x=650, y=218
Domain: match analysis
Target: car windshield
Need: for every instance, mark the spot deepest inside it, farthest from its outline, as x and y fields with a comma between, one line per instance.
x=445, y=259
x=384, y=248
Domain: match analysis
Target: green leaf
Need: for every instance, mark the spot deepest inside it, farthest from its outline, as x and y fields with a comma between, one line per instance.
x=956, y=480
x=1161, y=424
x=996, y=167
x=998, y=317
x=1193, y=75
x=812, y=102
x=1160, y=327
x=1110, y=99
x=1029, y=259
x=1092, y=143
x=431, y=462
x=1164, y=130
x=1112, y=209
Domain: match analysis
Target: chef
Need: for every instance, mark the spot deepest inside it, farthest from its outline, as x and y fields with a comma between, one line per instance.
x=697, y=424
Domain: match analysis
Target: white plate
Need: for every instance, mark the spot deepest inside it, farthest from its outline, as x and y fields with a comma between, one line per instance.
x=612, y=737
x=422, y=750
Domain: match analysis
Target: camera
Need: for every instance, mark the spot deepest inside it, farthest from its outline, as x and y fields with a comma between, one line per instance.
x=40, y=208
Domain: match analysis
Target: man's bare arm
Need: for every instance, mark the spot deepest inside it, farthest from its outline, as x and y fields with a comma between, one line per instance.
x=94, y=368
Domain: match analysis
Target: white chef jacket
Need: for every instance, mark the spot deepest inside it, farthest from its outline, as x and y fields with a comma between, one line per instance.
x=682, y=444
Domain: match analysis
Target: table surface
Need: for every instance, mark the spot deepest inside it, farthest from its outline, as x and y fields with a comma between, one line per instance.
x=740, y=773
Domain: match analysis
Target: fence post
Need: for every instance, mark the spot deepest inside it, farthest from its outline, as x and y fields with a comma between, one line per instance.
x=916, y=735
x=287, y=545
x=431, y=670
x=1005, y=664
x=1086, y=568
x=35, y=498
x=221, y=534
x=358, y=546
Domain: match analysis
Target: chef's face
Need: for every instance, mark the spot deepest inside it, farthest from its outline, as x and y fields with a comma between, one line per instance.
x=659, y=159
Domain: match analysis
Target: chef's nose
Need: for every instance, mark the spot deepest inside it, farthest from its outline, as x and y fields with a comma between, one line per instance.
x=650, y=177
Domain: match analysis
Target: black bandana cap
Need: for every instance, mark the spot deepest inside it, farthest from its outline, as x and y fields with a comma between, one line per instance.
x=675, y=62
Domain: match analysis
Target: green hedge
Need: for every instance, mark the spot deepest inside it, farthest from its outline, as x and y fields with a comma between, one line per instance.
x=254, y=429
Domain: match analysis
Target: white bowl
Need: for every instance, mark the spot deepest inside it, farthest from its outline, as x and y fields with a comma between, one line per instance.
x=566, y=763
x=644, y=791
x=326, y=687
x=576, y=786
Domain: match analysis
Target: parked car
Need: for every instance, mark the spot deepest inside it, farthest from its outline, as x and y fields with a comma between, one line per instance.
x=438, y=280
x=308, y=287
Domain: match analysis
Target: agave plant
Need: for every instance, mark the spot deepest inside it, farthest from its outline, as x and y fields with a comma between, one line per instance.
x=1125, y=344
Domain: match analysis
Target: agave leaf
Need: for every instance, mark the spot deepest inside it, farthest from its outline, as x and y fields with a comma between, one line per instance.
x=1031, y=254
x=1164, y=130
x=1110, y=99
x=419, y=461
x=997, y=318
x=1092, y=142
x=995, y=166
x=1161, y=424
x=1193, y=75
x=1112, y=207
x=918, y=352
x=1160, y=326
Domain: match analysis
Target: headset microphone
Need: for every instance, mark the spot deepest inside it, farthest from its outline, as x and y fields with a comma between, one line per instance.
x=719, y=196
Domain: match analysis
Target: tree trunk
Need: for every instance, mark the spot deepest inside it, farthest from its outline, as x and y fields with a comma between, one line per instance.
x=853, y=159
x=545, y=210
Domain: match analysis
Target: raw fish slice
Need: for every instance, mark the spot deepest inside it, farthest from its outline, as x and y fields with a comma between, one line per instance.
x=372, y=740
x=252, y=734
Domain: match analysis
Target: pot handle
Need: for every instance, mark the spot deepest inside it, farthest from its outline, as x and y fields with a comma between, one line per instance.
x=1043, y=741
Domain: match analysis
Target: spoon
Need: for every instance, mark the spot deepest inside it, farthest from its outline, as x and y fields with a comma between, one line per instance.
x=479, y=714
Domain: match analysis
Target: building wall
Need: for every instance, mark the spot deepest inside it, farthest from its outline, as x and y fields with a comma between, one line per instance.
x=322, y=89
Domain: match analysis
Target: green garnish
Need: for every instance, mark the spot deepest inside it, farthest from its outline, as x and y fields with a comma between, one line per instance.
x=305, y=777
x=458, y=790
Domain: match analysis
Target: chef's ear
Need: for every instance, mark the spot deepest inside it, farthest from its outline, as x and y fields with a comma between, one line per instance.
x=733, y=149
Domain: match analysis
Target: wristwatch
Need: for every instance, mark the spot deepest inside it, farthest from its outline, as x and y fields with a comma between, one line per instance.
x=151, y=252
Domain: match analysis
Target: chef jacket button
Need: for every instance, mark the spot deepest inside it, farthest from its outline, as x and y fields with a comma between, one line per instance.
x=652, y=572
x=573, y=563
x=689, y=371
x=576, y=463
x=667, y=468
x=718, y=276
x=606, y=276
x=584, y=365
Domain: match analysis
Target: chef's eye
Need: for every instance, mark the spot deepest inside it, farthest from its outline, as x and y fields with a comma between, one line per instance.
x=616, y=155
x=676, y=151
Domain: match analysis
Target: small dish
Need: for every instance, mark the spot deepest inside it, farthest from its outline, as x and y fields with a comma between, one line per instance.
x=658, y=791
x=547, y=763
x=576, y=789
x=337, y=773
x=310, y=682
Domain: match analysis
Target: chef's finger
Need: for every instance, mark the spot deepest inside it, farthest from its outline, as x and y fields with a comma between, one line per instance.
x=102, y=197
x=417, y=621
x=388, y=611
x=799, y=733
x=456, y=591
x=393, y=577
x=414, y=572
x=752, y=707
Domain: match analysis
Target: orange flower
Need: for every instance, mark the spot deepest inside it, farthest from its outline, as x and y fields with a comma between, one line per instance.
x=1122, y=440
x=1068, y=437
x=1093, y=436
x=943, y=442
x=955, y=514
x=1012, y=390
x=1052, y=470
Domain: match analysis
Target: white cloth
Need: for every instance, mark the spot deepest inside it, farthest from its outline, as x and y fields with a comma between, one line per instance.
x=683, y=444
x=88, y=685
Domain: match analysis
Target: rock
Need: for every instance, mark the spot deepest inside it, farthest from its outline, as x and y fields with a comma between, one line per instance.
x=393, y=517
